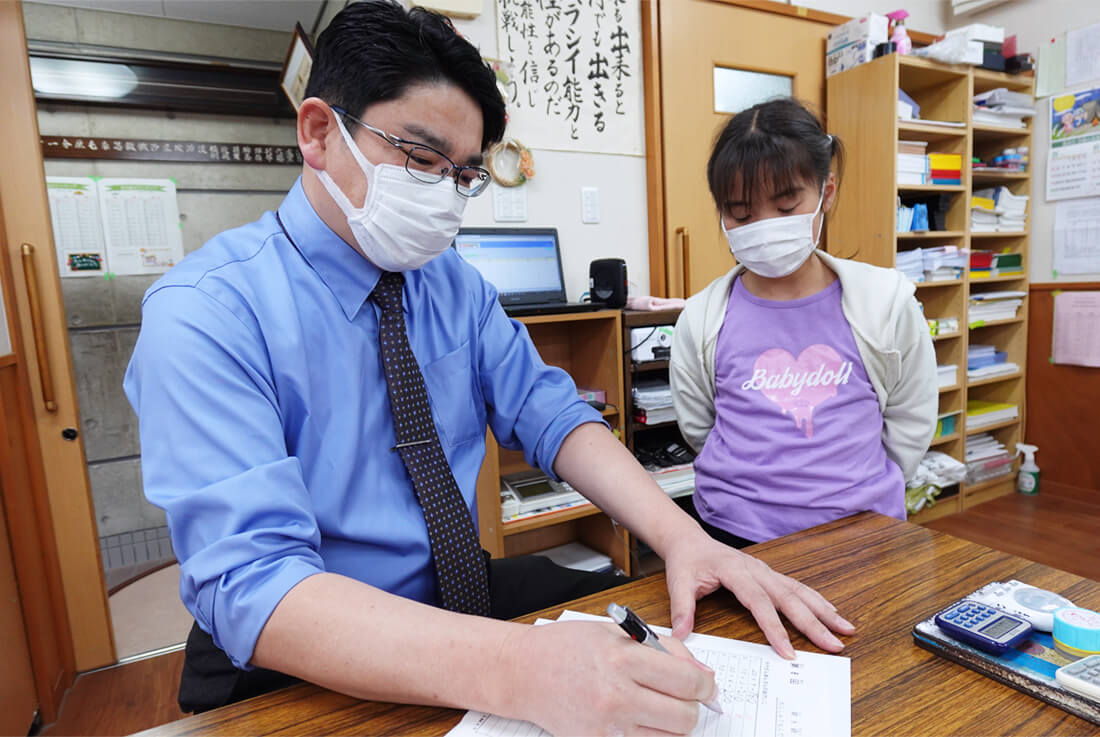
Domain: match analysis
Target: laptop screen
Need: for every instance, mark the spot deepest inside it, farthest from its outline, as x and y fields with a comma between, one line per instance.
x=524, y=264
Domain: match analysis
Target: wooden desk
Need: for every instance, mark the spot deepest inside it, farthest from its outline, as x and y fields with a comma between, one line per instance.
x=882, y=574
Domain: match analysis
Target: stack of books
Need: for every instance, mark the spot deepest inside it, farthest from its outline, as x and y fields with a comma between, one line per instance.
x=945, y=168
x=997, y=210
x=986, y=458
x=948, y=375
x=912, y=162
x=989, y=306
x=652, y=402
x=984, y=361
x=986, y=264
x=934, y=263
x=1004, y=108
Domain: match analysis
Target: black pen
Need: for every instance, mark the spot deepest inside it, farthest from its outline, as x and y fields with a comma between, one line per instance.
x=638, y=630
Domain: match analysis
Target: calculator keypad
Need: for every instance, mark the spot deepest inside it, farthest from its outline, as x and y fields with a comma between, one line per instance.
x=1082, y=676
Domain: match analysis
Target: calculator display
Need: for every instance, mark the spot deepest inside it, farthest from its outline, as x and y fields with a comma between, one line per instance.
x=998, y=627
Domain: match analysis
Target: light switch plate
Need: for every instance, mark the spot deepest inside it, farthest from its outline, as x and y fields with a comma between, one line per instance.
x=590, y=204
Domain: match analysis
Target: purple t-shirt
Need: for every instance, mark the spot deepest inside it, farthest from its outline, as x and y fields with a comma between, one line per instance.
x=797, y=438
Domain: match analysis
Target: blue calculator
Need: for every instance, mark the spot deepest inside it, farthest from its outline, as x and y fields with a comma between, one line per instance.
x=986, y=628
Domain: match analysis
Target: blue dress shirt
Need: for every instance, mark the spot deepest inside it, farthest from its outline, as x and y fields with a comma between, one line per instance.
x=266, y=427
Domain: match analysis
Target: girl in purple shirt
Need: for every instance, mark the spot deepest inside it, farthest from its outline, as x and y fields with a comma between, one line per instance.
x=806, y=383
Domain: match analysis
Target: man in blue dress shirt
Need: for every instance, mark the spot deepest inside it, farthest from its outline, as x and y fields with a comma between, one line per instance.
x=266, y=427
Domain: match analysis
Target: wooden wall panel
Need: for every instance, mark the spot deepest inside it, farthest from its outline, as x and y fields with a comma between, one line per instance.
x=1062, y=401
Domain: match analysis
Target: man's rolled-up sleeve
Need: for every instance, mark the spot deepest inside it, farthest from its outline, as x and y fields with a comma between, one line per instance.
x=215, y=459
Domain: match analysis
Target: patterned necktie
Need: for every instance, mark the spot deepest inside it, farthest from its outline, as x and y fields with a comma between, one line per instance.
x=460, y=570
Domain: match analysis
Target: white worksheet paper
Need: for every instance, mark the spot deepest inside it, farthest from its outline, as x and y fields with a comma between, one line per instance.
x=762, y=694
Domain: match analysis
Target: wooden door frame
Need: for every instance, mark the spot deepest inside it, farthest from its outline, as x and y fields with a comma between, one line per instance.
x=62, y=494
x=659, y=253
x=29, y=523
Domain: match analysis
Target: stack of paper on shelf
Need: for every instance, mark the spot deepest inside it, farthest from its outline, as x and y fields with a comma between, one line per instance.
x=675, y=480
x=986, y=458
x=948, y=374
x=989, y=306
x=945, y=168
x=983, y=215
x=1011, y=211
x=912, y=162
x=984, y=361
x=934, y=263
x=652, y=402
x=579, y=557
x=997, y=210
x=943, y=263
x=1004, y=108
x=910, y=263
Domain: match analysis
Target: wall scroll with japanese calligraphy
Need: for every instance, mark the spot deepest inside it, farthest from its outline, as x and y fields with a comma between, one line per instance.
x=575, y=75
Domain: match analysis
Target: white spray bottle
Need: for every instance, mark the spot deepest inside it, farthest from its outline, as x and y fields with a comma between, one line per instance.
x=1027, y=482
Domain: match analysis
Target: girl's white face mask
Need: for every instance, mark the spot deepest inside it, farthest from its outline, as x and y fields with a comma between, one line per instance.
x=776, y=247
x=403, y=223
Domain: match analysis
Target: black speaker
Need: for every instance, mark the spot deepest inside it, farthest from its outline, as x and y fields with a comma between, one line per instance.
x=607, y=282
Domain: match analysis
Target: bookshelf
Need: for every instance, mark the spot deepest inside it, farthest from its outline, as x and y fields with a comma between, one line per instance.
x=863, y=114
x=588, y=346
x=646, y=564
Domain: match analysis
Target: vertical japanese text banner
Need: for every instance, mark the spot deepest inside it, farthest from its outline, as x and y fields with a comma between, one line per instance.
x=575, y=81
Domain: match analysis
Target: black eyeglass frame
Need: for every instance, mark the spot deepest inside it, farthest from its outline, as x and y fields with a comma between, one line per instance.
x=483, y=177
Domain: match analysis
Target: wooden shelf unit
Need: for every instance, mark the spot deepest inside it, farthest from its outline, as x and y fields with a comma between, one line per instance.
x=863, y=115
x=647, y=563
x=588, y=346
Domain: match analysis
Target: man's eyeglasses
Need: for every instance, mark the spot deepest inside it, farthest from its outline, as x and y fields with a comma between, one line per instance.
x=427, y=165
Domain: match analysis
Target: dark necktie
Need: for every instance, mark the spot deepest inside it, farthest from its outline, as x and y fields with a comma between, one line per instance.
x=460, y=570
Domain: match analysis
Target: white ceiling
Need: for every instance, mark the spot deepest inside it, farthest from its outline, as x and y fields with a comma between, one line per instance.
x=275, y=15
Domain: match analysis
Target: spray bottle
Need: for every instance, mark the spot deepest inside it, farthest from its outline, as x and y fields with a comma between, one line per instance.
x=1027, y=482
x=900, y=36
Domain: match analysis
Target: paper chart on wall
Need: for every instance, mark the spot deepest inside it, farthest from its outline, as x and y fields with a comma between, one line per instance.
x=572, y=74
x=1073, y=166
x=1077, y=328
x=77, y=226
x=762, y=695
x=108, y=227
x=1083, y=55
x=1077, y=237
x=141, y=225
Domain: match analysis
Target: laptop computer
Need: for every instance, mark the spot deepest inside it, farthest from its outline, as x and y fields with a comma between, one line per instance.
x=524, y=264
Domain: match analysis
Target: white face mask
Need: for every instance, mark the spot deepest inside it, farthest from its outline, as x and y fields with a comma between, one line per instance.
x=403, y=224
x=776, y=247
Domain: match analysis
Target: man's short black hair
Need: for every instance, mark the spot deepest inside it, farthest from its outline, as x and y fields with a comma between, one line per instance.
x=374, y=50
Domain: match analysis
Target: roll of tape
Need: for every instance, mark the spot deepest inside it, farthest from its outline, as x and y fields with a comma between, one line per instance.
x=1077, y=632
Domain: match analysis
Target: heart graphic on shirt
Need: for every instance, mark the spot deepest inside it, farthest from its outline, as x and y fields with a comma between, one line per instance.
x=800, y=385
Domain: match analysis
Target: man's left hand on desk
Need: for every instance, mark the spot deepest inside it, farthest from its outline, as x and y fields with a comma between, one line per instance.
x=701, y=565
